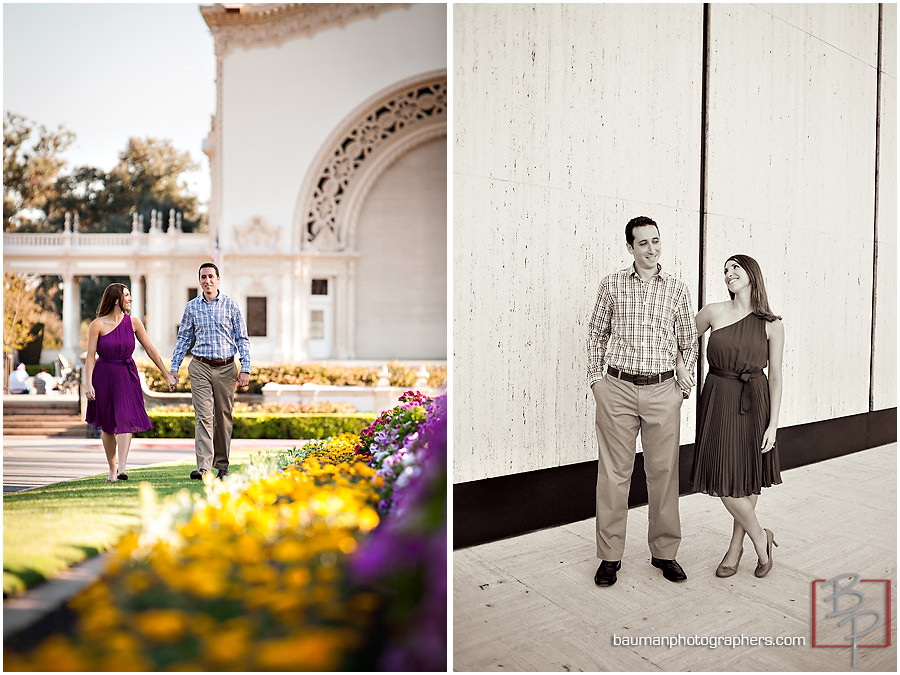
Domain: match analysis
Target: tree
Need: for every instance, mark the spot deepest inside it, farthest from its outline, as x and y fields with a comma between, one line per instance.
x=20, y=314
x=84, y=192
x=48, y=296
x=147, y=177
x=20, y=310
x=31, y=165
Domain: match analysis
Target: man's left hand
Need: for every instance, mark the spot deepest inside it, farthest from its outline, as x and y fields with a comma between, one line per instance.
x=243, y=380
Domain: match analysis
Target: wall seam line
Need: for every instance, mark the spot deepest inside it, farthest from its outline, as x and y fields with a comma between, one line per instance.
x=704, y=123
x=875, y=214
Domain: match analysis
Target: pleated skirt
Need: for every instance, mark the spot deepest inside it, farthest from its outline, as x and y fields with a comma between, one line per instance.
x=119, y=405
x=727, y=457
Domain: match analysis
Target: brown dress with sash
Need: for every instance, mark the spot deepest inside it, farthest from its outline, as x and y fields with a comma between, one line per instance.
x=734, y=414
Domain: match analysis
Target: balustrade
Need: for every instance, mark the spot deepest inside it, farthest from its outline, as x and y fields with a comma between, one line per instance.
x=51, y=243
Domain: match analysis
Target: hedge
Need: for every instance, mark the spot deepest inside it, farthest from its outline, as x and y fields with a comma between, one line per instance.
x=401, y=375
x=181, y=425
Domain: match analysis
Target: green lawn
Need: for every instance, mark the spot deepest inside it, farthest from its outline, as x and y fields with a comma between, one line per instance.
x=46, y=530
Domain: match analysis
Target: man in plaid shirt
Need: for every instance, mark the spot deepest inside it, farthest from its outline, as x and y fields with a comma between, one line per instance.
x=641, y=320
x=213, y=328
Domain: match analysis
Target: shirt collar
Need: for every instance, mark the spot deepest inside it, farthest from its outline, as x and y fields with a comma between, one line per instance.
x=631, y=272
x=218, y=296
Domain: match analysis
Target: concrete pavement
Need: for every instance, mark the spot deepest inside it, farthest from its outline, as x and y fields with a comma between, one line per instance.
x=529, y=603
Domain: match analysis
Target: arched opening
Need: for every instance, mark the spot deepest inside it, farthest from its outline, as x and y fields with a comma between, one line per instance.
x=401, y=272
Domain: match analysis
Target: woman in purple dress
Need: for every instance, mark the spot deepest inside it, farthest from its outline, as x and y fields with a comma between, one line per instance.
x=115, y=401
x=735, y=455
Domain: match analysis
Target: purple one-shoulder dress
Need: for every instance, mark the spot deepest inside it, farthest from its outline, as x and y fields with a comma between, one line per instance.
x=118, y=405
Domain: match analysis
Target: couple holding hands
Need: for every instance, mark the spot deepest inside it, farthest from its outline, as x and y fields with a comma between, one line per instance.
x=644, y=332
x=214, y=330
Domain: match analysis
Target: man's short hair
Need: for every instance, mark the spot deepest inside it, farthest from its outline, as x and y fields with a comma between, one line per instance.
x=640, y=221
x=208, y=264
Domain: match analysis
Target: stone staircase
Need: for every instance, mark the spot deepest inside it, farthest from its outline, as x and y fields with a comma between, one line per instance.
x=42, y=417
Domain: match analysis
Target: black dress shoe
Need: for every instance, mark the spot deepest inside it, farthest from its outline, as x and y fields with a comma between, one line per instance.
x=122, y=476
x=222, y=473
x=606, y=573
x=671, y=570
x=198, y=474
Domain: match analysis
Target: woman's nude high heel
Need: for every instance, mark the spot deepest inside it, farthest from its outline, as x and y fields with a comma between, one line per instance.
x=763, y=570
x=724, y=570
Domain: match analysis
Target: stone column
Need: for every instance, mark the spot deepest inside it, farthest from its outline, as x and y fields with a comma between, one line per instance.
x=303, y=282
x=137, y=296
x=282, y=318
x=160, y=308
x=71, y=317
x=345, y=312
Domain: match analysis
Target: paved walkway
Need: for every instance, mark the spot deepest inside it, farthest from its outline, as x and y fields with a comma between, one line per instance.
x=529, y=603
x=34, y=461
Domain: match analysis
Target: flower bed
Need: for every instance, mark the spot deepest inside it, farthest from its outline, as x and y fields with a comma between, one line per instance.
x=286, y=565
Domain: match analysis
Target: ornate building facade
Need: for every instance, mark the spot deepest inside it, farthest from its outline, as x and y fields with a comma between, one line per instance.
x=328, y=160
x=328, y=206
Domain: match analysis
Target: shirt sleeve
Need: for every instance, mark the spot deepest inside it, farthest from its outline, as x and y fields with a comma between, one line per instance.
x=241, y=339
x=183, y=342
x=686, y=330
x=599, y=333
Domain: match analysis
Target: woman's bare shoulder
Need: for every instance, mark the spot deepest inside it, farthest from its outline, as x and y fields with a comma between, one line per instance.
x=714, y=309
x=775, y=328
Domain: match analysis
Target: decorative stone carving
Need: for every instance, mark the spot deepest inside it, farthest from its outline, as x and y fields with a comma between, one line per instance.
x=398, y=115
x=257, y=237
x=254, y=24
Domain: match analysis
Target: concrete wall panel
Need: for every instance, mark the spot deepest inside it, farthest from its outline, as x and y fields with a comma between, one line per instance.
x=790, y=175
x=554, y=153
x=837, y=25
x=884, y=385
x=571, y=119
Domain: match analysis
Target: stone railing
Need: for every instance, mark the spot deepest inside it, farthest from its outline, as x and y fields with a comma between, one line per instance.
x=58, y=242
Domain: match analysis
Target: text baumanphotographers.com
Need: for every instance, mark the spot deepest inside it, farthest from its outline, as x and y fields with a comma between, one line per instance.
x=710, y=641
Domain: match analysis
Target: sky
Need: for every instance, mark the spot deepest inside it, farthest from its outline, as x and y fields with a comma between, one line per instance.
x=111, y=71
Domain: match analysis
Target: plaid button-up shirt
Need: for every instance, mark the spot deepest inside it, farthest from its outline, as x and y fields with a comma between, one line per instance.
x=217, y=328
x=639, y=326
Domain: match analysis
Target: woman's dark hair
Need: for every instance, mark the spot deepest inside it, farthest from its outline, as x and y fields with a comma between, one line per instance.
x=113, y=293
x=759, y=301
x=640, y=221
x=208, y=264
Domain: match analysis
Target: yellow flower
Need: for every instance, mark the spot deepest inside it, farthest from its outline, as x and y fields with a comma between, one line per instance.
x=297, y=577
x=96, y=621
x=258, y=574
x=289, y=551
x=58, y=654
x=246, y=549
x=347, y=545
x=316, y=651
x=368, y=519
x=161, y=625
x=227, y=644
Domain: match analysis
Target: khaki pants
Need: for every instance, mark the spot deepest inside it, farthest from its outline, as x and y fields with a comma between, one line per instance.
x=212, y=395
x=624, y=409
